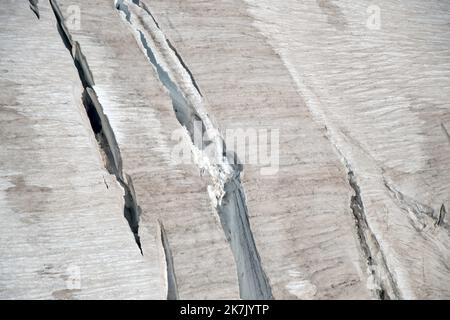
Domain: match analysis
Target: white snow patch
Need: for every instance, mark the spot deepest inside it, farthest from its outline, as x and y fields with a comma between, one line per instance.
x=301, y=288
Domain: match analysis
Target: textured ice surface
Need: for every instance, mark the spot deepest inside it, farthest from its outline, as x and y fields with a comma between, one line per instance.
x=359, y=92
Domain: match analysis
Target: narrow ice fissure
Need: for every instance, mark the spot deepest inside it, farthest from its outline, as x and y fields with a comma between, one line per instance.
x=100, y=126
x=227, y=192
x=385, y=287
x=169, y=268
x=34, y=6
x=383, y=283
